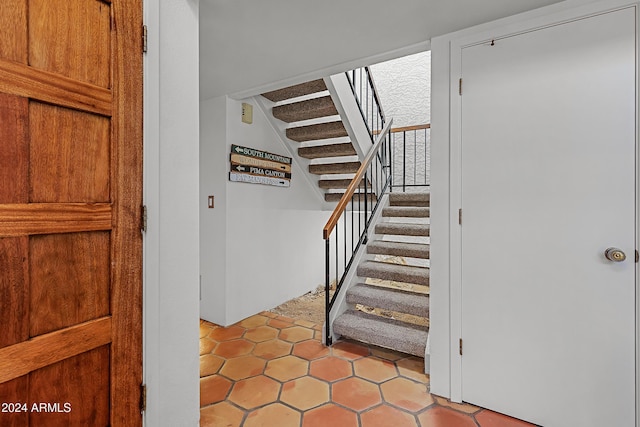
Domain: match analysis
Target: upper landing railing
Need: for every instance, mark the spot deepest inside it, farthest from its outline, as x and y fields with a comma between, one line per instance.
x=366, y=94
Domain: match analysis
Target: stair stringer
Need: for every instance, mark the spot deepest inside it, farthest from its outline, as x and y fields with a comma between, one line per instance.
x=352, y=278
x=342, y=95
x=278, y=128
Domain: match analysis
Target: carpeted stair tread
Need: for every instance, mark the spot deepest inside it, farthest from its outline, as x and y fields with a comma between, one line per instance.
x=411, y=250
x=395, y=272
x=334, y=168
x=329, y=150
x=406, y=211
x=330, y=184
x=383, y=332
x=317, y=131
x=358, y=198
x=409, y=199
x=296, y=90
x=402, y=229
x=389, y=299
x=305, y=110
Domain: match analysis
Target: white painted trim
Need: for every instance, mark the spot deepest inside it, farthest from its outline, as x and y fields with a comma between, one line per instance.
x=334, y=69
x=530, y=21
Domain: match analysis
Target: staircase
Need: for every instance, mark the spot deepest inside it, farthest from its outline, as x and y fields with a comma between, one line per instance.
x=314, y=124
x=389, y=304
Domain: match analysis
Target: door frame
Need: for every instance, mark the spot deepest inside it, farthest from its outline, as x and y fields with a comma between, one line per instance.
x=539, y=19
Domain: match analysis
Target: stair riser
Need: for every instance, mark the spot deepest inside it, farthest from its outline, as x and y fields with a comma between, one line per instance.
x=390, y=228
x=406, y=212
x=389, y=299
x=334, y=168
x=418, y=278
x=409, y=253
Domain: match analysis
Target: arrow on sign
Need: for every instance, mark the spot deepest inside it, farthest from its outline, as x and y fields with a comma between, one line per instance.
x=240, y=168
x=238, y=149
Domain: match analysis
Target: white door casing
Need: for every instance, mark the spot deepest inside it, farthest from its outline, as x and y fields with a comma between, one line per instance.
x=548, y=155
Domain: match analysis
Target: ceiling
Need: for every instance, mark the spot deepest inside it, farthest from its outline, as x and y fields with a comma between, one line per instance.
x=248, y=46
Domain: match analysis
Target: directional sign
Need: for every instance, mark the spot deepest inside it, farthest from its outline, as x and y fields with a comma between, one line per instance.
x=250, y=152
x=254, y=170
x=254, y=179
x=238, y=159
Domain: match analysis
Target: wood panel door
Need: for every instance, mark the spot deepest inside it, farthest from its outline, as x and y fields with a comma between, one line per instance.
x=70, y=198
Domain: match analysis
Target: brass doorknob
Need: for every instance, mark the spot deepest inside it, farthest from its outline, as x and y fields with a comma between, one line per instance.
x=615, y=254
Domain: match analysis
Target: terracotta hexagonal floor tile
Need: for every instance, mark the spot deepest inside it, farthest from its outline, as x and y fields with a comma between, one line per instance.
x=272, y=349
x=213, y=389
x=243, y=367
x=349, y=350
x=384, y=353
x=221, y=414
x=374, y=369
x=286, y=319
x=385, y=416
x=406, y=394
x=253, y=321
x=305, y=323
x=275, y=414
x=226, y=334
x=330, y=368
x=235, y=348
x=205, y=329
x=439, y=416
x=254, y=392
x=329, y=415
x=413, y=367
x=261, y=333
x=287, y=368
x=462, y=407
x=206, y=345
x=488, y=418
x=310, y=350
x=268, y=314
x=355, y=393
x=280, y=324
x=305, y=393
x=210, y=364
x=296, y=334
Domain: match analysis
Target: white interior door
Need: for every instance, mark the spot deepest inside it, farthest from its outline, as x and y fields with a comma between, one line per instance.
x=548, y=172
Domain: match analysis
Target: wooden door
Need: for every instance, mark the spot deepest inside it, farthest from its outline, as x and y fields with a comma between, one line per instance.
x=70, y=202
x=549, y=183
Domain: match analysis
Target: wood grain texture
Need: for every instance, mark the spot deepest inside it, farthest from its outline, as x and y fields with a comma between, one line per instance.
x=82, y=382
x=50, y=218
x=14, y=149
x=126, y=298
x=21, y=80
x=16, y=390
x=69, y=154
x=69, y=280
x=71, y=38
x=20, y=359
x=13, y=30
x=14, y=282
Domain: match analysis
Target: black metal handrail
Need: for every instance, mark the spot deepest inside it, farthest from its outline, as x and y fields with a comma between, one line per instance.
x=363, y=197
x=366, y=95
x=410, y=157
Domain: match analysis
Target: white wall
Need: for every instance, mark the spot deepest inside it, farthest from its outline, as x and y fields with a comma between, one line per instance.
x=273, y=249
x=171, y=259
x=404, y=86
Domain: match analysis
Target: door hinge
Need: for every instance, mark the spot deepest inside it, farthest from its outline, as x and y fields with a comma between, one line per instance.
x=460, y=347
x=460, y=216
x=143, y=218
x=145, y=35
x=143, y=397
x=460, y=86
x=637, y=256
